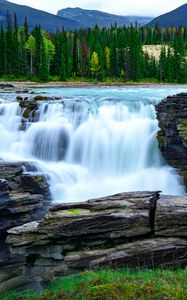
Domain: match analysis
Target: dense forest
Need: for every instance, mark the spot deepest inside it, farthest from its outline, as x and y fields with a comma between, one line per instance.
x=92, y=54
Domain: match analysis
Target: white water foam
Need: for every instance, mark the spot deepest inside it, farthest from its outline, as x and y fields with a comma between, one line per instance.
x=91, y=146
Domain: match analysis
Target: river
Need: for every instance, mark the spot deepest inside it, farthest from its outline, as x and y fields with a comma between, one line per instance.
x=93, y=142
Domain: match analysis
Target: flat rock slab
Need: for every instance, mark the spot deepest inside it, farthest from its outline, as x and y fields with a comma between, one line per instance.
x=125, y=216
x=140, y=229
x=147, y=253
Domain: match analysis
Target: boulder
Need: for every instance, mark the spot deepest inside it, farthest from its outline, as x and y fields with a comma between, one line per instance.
x=30, y=106
x=21, y=201
x=6, y=86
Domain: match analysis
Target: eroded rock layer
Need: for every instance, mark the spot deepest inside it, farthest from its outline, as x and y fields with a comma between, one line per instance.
x=23, y=198
x=140, y=229
x=172, y=137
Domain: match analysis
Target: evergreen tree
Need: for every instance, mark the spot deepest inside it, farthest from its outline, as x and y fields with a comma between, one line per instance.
x=2, y=51
x=9, y=46
x=170, y=74
x=75, y=58
x=15, y=60
x=163, y=65
x=179, y=61
x=107, y=60
x=43, y=70
x=39, y=55
x=63, y=69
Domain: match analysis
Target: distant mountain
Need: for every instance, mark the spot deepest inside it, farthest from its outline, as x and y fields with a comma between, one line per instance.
x=175, y=18
x=91, y=17
x=35, y=17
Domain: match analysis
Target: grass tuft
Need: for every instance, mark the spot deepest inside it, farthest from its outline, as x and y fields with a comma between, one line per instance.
x=107, y=284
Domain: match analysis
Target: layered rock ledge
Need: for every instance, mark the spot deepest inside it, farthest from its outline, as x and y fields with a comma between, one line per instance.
x=140, y=229
x=24, y=198
x=172, y=137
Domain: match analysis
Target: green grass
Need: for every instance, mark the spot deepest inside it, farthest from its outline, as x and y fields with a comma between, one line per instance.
x=113, y=285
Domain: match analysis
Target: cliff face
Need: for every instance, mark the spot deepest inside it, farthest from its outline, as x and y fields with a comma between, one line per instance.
x=172, y=138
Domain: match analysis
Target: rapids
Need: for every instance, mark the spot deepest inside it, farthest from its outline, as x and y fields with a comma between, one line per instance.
x=94, y=142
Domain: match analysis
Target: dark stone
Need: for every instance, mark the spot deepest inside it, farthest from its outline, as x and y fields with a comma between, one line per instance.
x=46, y=98
x=6, y=86
x=17, y=207
x=172, y=137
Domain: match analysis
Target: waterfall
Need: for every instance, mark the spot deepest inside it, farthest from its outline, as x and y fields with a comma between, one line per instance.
x=90, y=146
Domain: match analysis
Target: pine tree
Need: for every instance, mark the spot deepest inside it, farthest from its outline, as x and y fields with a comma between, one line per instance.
x=37, y=33
x=43, y=69
x=113, y=60
x=75, y=58
x=107, y=60
x=63, y=75
x=15, y=60
x=9, y=46
x=2, y=51
x=179, y=61
x=170, y=74
x=163, y=65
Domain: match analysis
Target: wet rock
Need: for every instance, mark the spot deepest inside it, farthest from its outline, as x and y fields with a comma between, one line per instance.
x=172, y=137
x=23, y=197
x=11, y=172
x=34, y=184
x=22, y=91
x=30, y=107
x=46, y=98
x=6, y=86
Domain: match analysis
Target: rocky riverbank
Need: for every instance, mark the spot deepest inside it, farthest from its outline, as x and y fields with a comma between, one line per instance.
x=23, y=198
x=29, y=85
x=172, y=137
x=131, y=229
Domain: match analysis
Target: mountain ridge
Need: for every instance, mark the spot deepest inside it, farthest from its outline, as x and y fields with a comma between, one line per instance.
x=92, y=17
x=35, y=17
x=174, y=18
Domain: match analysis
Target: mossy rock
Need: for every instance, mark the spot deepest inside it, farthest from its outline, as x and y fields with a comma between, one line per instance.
x=38, y=178
x=184, y=174
x=41, y=98
x=182, y=128
x=76, y=211
x=162, y=139
x=26, y=113
x=19, y=98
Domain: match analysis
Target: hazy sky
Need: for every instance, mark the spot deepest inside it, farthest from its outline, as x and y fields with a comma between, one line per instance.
x=122, y=7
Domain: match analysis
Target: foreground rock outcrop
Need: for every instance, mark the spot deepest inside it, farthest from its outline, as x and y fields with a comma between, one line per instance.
x=172, y=138
x=23, y=198
x=131, y=229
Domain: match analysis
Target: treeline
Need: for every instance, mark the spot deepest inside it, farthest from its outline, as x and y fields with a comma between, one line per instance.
x=93, y=53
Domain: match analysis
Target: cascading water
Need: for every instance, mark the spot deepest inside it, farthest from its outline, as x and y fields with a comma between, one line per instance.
x=92, y=143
